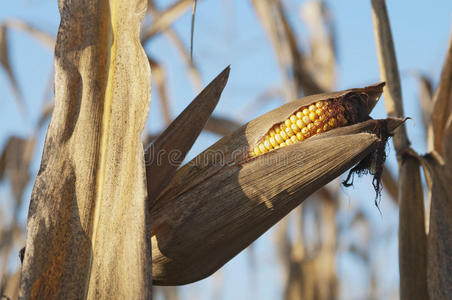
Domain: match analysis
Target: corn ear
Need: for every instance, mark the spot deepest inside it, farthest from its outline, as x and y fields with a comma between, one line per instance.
x=225, y=198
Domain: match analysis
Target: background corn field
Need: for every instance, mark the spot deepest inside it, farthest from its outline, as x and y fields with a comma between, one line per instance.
x=337, y=244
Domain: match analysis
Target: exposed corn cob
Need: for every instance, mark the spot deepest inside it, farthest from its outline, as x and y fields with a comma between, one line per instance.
x=315, y=118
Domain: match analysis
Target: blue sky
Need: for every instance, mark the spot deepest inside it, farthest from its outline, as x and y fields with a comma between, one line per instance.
x=229, y=33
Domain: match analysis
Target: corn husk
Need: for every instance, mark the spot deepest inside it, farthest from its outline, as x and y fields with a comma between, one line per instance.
x=222, y=200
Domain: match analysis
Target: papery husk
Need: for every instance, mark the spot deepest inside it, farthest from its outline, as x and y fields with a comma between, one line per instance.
x=222, y=200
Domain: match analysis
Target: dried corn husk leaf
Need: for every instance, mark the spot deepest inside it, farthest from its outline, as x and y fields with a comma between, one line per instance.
x=158, y=73
x=43, y=37
x=390, y=184
x=439, y=259
x=6, y=65
x=412, y=237
x=165, y=19
x=322, y=57
x=9, y=288
x=15, y=162
x=172, y=35
x=87, y=223
x=221, y=201
x=425, y=87
x=221, y=126
x=167, y=153
x=439, y=176
x=441, y=117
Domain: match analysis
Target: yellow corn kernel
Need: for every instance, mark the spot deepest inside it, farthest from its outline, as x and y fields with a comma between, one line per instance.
x=300, y=136
x=299, y=115
x=272, y=132
x=283, y=135
x=256, y=151
x=300, y=124
x=305, y=122
x=289, y=131
x=267, y=145
x=273, y=141
x=332, y=122
x=312, y=116
x=295, y=128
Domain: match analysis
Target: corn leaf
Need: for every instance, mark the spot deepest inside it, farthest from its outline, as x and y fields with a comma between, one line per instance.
x=165, y=19
x=6, y=65
x=168, y=151
x=88, y=216
x=438, y=167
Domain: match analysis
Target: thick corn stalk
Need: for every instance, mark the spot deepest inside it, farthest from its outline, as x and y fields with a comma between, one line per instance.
x=87, y=231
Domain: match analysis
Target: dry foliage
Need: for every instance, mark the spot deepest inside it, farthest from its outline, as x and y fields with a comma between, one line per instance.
x=101, y=206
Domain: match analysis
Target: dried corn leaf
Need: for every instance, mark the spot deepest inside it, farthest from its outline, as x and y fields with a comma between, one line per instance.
x=221, y=201
x=425, y=97
x=390, y=184
x=6, y=65
x=221, y=126
x=193, y=73
x=438, y=167
x=43, y=37
x=273, y=27
x=9, y=288
x=304, y=80
x=322, y=57
x=412, y=237
x=87, y=222
x=441, y=117
x=167, y=153
x=439, y=258
x=165, y=19
x=15, y=162
x=158, y=73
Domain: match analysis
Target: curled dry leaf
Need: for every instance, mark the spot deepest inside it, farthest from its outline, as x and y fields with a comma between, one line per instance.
x=225, y=198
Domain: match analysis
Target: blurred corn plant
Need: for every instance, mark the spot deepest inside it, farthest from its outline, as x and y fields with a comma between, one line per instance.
x=101, y=206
